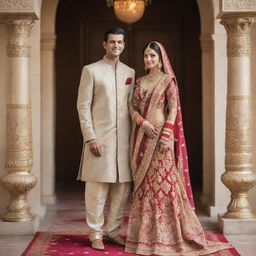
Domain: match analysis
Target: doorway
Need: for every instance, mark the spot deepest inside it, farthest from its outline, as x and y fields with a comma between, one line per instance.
x=80, y=27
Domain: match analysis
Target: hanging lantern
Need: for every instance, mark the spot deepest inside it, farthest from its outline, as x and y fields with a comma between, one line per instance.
x=128, y=11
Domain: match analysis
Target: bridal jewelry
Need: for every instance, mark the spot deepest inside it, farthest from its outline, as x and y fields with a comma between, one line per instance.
x=151, y=79
x=148, y=83
x=159, y=65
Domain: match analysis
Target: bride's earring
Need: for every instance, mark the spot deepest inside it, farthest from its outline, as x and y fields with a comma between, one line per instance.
x=146, y=69
x=159, y=65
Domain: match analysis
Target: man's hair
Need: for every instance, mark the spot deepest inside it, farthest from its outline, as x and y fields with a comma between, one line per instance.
x=116, y=31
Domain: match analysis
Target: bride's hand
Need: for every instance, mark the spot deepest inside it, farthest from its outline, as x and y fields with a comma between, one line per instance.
x=149, y=129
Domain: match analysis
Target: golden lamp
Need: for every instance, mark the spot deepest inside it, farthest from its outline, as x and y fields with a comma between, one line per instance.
x=128, y=11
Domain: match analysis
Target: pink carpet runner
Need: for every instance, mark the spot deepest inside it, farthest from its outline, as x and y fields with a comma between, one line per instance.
x=55, y=244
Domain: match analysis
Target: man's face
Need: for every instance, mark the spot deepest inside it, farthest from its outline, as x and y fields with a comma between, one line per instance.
x=114, y=46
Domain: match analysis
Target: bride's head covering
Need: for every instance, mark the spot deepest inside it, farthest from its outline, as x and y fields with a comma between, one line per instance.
x=159, y=48
x=181, y=151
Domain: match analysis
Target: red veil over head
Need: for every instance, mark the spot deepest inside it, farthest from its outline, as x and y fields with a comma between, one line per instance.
x=180, y=149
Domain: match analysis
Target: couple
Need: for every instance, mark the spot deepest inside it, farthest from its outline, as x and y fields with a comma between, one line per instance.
x=162, y=220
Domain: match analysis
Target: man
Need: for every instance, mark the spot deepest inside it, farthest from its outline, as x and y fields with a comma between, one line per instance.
x=104, y=92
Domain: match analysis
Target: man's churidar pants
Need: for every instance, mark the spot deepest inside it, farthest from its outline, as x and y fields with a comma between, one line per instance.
x=96, y=194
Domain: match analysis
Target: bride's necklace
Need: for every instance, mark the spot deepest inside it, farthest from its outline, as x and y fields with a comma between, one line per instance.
x=150, y=80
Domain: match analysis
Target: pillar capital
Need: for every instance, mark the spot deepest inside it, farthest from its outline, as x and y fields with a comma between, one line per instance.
x=238, y=32
x=19, y=31
x=236, y=24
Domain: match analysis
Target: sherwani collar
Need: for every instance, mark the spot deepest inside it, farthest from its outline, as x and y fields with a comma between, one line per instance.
x=110, y=62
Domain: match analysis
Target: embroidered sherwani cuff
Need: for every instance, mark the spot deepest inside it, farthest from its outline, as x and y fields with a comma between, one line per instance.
x=89, y=137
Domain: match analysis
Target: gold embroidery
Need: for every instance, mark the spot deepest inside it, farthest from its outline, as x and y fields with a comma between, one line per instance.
x=161, y=219
x=139, y=173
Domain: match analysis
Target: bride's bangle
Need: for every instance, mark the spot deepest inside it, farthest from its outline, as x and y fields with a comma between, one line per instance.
x=167, y=130
x=140, y=120
x=168, y=125
x=135, y=115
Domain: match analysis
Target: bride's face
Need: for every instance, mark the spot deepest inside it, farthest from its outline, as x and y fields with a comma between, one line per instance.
x=151, y=58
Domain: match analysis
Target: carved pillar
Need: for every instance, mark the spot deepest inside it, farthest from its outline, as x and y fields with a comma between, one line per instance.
x=239, y=177
x=19, y=180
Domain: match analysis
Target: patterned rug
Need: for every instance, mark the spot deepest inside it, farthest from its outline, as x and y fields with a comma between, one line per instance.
x=56, y=244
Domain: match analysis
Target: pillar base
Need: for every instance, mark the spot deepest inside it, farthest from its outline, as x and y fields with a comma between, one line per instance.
x=237, y=226
x=214, y=211
x=20, y=228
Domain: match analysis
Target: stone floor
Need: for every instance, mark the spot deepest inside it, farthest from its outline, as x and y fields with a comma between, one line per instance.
x=68, y=214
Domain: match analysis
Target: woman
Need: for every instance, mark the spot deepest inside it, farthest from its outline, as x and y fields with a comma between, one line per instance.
x=162, y=220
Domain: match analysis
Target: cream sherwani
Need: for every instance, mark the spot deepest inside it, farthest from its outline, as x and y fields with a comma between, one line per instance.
x=103, y=97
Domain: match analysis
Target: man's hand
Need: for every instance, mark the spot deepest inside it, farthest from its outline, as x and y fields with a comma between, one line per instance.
x=95, y=148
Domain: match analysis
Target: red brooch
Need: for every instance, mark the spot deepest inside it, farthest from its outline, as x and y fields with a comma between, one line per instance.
x=128, y=80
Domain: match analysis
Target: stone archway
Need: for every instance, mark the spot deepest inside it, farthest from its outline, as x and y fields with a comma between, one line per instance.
x=213, y=164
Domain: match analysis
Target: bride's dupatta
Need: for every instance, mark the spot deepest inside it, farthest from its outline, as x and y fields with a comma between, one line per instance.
x=142, y=147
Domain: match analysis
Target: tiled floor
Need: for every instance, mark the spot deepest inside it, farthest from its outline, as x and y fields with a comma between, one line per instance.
x=68, y=215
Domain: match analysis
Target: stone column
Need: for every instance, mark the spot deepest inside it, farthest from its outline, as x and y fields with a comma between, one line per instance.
x=239, y=177
x=19, y=180
x=48, y=116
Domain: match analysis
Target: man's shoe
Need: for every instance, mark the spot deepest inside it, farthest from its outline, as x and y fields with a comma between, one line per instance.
x=117, y=240
x=98, y=245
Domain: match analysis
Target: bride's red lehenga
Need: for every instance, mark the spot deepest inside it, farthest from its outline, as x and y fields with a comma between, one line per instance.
x=162, y=219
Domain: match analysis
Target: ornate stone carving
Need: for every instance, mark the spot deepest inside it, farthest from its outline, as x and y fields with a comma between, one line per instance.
x=18, y=184
x=19, y=179
x=238, y=140
x=238, y=115
x=19, y=138
x=238, y=177
x=239, y=124
x=15, y=5
x=238, y=25
x=239, y=47
x=18, y=42
x=239, y=183
x=237, y=161
x=239, y=4
x=238, y=30
x=19, y=162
